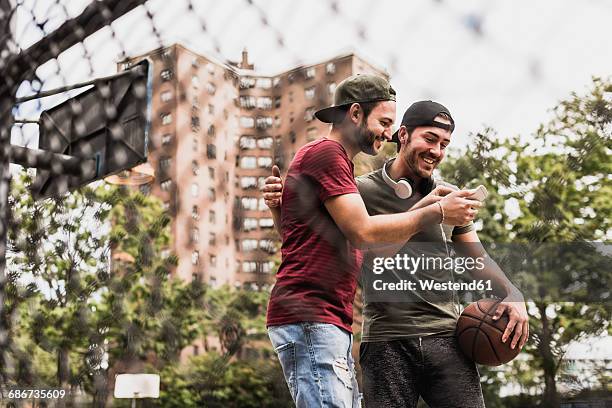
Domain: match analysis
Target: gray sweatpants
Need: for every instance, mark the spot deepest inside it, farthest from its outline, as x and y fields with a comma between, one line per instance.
x=396, y=373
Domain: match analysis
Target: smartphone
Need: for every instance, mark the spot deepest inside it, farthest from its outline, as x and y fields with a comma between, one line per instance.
x=480, y=193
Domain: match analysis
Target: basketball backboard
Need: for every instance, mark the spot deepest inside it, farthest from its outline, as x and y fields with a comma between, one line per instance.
x=109, y=123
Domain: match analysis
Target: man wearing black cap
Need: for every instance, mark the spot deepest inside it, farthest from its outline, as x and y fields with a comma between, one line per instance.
x=408, y=346
x=323, y=221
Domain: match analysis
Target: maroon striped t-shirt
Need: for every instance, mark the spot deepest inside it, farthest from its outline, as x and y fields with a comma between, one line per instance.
x=317, y=278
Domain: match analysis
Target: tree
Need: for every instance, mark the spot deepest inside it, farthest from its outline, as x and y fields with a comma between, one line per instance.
x=210, y=380
x=56, y=246
x=144, y=316
x=95, y=319
x=559, y=182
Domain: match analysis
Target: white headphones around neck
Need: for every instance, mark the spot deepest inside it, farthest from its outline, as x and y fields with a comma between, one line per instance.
x=402, y=188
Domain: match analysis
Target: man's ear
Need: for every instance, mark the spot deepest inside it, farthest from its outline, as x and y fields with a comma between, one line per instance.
x=355, y=113
x=402, y=135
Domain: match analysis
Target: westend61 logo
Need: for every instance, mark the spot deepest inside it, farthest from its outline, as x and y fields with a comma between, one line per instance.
x=412, y=264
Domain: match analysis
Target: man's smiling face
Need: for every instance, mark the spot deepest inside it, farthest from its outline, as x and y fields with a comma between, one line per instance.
x=424, y=149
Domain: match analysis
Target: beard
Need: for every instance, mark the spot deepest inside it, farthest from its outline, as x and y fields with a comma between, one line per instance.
x=412, y=159
x=366, y=139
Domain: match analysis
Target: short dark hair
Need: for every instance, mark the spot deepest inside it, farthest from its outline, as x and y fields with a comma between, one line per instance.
x=366, y=107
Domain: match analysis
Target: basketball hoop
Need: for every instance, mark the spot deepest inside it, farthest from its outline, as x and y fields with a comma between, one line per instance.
x=136, y=176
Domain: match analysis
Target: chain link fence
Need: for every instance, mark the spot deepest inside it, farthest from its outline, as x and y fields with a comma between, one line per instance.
x=59, y=250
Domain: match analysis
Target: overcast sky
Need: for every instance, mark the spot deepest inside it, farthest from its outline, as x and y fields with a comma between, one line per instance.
x=499, y=63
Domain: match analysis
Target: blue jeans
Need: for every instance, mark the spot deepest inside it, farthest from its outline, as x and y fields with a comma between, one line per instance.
x=317, y=364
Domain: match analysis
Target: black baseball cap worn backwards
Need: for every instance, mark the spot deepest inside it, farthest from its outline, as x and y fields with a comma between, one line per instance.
x=423, y=113
x=360, y=88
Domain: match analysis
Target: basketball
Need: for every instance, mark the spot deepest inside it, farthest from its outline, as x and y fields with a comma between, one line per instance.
x=480, y=337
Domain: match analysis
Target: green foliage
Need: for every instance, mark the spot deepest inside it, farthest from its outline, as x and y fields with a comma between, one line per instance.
x=79, y=316
x=558, y=184
x=213, y=381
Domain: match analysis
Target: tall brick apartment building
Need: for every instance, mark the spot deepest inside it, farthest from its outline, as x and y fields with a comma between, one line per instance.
x=217, y=129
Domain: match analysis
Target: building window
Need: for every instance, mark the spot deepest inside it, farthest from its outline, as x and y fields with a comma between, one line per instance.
x=166, y=96
x=211, y=131
x=330, y=68
x=195, y=102
x=267, y=245
x=195, y=189
x=310, y=72
x=267, y=267
x=249, y=244
x=264, y=122
x=249, y=203
x=292, y=137
x=247, y=102
x=261, y=204
x=248, y=182
x=195, y=168
x=266, y=223
x=212, y=195
x=166, y=139
x=212, y=260
x=247, y=82
x=277, y=121
x=165, y=163
x=195, y=81
x=309, y=93
x=211, y=173
x=211, y=151
x=247, y=122
x=195, y=212
x=277, y=102
x=211, y=88
x=331, y=88
x=264, y=162
x=210, y=67
x=195, y=144
x=166, y=75
x=249, y=224
x=212, y=217
x=248, y=142
x=195, y=257
x=261, y=181
x=248, y=162
x=276, y=82
x=166, y=185
x=195, y=123
x=309, y=114
x=264, y=83
x=211, y=109
x=249, y=267
x=265, y=143
x=166, y=118
x=194, y=234
x=212, y=239
x=264, y=102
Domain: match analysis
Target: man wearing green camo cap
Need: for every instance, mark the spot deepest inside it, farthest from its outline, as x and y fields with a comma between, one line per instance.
x=323, y=222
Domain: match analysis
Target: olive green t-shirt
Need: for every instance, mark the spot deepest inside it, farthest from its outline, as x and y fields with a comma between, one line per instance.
x=421, y=313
